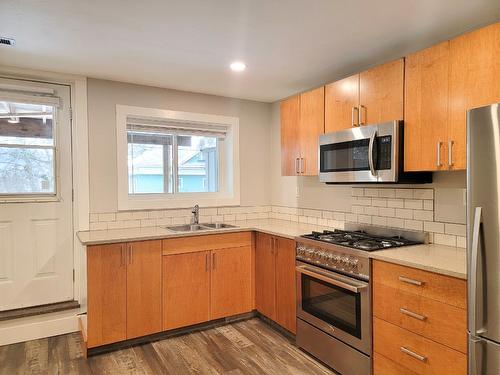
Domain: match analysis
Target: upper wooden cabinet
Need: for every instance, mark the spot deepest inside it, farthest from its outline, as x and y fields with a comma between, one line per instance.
x=426, y=109
x=342, y=104
x=302, y=121
x=370, y=97
x=123, y=291
x=474, y=82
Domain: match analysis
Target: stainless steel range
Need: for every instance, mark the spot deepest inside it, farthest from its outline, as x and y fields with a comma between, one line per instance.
x=334, y=294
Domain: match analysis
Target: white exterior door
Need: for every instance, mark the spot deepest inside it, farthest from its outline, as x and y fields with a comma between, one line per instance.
x=36, y=221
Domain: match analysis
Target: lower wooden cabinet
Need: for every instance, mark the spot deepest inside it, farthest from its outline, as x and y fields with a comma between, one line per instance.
x=231, y=282
x=186, y=289
x=123, y=291
x=275, y=279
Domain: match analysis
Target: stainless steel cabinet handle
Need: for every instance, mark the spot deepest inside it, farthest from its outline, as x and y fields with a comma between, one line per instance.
x=302, y=165
x=354, y=116
x=473, y=270
x=207, y=261
x=412, y=314
x=297, y=165
x=122, y=255
x=360, y=115
x=450, y=153
x=410, y=281
x=213, y=261
x=413, y=354
x=438, y=160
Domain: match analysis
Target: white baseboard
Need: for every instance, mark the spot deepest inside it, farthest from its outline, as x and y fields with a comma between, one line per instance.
x=36, y=327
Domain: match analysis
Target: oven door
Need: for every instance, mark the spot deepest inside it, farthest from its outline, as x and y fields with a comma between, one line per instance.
x=361, y=154
x=336, y=304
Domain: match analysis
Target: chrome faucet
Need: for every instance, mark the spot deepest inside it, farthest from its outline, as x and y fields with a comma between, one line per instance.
x=196, y=215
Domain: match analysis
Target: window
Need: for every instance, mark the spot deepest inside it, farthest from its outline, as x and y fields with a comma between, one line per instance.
x=27, y=149
x=175, y=159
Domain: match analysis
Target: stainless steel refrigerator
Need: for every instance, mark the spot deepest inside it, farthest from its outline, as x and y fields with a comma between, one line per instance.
x=483, y=239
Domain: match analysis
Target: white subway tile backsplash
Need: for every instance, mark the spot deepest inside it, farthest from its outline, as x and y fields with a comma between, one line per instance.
x=363, y=201
x=371, y=192
x=312, y=213
x=414, y=204
x=365, y=219
x=108, y=216
x=423, y=215
x=387, y=193
x=455, y=229
x=312, y=220
x=423, y=193
x=139, y=215
x=395, y=222
x=461, y=242
x=353, y=218
x=379, y=220
x=387, y=211
x=404, y=213
x=93, y=218
x=377, y=202
x=445, y=239
x=370, y=210
x=148, y=222
x=323, y=222
x=431, y=226
x=164, y=221
x=327, y=215
x=395, y=203
x=404, y=193
x=414, y=224
x=229, y=217
x=357, y=209
x=98, y=226
x=357, y=192
x=339, y=216
x=429, y=205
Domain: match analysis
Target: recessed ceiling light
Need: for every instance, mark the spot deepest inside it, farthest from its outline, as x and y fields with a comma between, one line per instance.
x=238, y=66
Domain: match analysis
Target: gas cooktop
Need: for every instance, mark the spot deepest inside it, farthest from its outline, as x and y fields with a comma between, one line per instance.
x=359, y=240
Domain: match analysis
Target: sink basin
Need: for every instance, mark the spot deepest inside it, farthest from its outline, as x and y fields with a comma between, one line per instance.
x=188, y=228
x=219, y=225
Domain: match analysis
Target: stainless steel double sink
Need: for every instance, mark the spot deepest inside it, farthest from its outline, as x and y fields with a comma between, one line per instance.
x=198, y=227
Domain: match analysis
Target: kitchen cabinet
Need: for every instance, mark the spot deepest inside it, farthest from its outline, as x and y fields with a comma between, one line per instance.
x=186, y=289
x=123, y=291
x=302, y=121
x=419, y=321
x=231, y=282
x=275, y=295
x=426, y=109
x=370, y=97
x=474, y=77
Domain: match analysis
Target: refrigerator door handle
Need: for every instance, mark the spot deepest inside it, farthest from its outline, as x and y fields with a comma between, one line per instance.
x=474, y=263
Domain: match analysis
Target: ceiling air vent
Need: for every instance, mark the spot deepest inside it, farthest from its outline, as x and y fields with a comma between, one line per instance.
x=7, y=41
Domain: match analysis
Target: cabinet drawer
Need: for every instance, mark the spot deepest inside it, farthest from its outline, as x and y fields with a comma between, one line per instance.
x=414, y=352
x=384, y=366
x=206, y=242
x=446, y=289
x=435, y=320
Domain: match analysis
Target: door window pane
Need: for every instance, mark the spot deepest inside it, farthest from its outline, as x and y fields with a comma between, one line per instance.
x=26, y=171
x=27, y=149
x=149, y=163
x=198, y=164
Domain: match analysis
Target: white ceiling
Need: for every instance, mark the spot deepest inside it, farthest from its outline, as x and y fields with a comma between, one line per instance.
x=288, y=45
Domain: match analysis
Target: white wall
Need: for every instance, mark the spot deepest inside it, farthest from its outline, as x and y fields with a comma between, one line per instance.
x=102, y=99
x=308, y=192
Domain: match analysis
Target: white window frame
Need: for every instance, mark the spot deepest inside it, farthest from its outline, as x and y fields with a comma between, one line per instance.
x=229, y=163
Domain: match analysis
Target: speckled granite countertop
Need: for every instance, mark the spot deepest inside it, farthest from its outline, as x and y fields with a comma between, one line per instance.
x=441, y=259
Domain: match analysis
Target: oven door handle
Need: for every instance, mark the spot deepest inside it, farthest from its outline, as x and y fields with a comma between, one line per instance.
x=331, y=279
x=370, y=154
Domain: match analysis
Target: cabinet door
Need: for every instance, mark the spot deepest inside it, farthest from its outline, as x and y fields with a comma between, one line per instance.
x=312, y=124
x=265, y=275
x=290, y=146
x=143, y=288
x=106, y=294
x=381, y=93
x=341, y=104
x=285, y=283
x=426, y=109
x=474, y=82
x=186, y=289
x=231, y=282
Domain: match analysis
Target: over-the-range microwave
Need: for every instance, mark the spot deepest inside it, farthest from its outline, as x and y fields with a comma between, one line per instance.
x=366, y=154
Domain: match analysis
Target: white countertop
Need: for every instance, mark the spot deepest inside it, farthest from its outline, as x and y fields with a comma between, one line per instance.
x=441, y=259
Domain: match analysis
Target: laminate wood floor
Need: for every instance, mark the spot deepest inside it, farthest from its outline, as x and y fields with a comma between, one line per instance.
x=248, y=347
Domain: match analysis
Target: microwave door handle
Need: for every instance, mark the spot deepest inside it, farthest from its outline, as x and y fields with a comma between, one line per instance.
x=476, y=229
x=371, y=162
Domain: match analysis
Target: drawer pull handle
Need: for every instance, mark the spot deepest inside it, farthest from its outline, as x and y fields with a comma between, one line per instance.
x=413, y=354
x=412, y=314
x=410, y=281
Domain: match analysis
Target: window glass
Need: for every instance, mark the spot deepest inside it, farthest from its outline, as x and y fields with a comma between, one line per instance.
x=27, y=149
x=198, y=161
x=149, y=163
